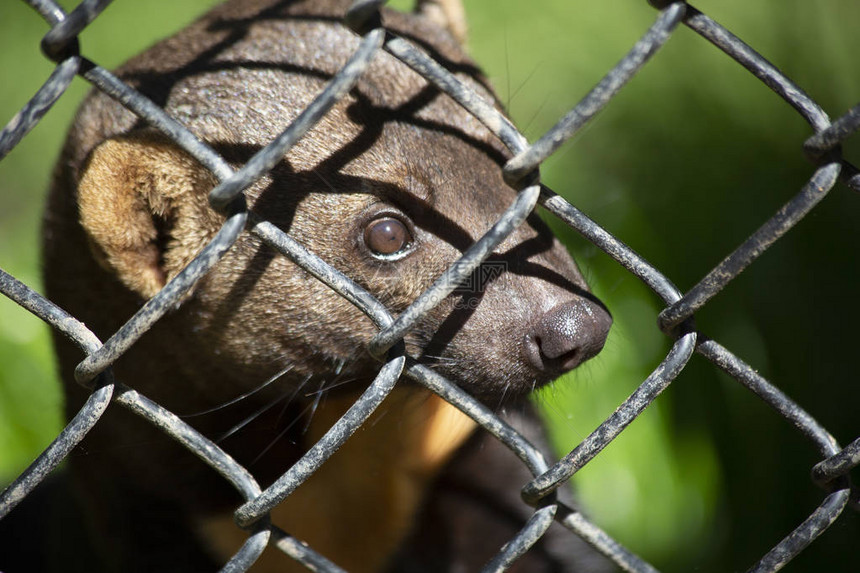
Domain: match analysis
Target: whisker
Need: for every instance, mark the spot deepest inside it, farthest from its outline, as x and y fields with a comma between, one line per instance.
x=243, y=396
x=339, y=367
x=281, y=434
x=253, y=416
x=332, y=386
x=325, y=181
x=292, y=396
x=523, y=83
x=504, y=395
x=440, y=358
x=314, y=405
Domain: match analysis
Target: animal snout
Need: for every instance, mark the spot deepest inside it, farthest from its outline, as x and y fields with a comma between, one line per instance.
x=567, y=335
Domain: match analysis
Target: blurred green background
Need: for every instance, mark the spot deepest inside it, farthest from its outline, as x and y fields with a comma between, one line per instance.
x=685, y=163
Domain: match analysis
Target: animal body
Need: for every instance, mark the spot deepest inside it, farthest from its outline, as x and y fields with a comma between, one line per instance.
x=390, y=188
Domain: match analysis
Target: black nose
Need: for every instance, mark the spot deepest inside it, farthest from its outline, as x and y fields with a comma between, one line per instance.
x=567, y=335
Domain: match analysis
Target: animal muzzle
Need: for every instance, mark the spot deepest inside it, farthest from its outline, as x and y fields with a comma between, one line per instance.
x=567, y=335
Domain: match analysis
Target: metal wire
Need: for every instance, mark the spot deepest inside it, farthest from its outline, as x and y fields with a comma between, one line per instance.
x=676, y=320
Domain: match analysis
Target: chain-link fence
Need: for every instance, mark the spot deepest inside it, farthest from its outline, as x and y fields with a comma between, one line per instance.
x=676, y=320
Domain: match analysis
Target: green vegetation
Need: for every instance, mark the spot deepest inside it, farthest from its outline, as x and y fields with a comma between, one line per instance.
x=689, y=159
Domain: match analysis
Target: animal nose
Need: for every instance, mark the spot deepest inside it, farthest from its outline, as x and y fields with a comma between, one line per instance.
x=567, y=335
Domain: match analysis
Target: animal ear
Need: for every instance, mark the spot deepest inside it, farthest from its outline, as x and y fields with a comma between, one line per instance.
x=142, y=202
x=449, y=14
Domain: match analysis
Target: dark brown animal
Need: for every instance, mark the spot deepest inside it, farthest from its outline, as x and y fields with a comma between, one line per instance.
x=390, y=188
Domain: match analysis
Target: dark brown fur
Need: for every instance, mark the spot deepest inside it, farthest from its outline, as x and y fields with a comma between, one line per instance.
x=128, y=210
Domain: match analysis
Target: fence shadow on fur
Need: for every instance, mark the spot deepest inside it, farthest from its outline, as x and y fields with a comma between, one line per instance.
x=522, y=172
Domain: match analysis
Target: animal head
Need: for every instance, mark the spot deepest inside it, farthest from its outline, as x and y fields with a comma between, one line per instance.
x=391, y=187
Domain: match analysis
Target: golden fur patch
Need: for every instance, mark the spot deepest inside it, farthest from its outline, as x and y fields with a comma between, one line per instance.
x=359, y=506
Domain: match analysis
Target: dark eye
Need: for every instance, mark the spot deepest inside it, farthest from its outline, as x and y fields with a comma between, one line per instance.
x=387, y=236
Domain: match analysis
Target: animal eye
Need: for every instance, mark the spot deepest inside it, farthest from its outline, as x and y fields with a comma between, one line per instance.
x=387, y=236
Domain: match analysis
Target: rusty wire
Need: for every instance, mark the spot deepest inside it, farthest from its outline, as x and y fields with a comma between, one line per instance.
x=676, y=319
